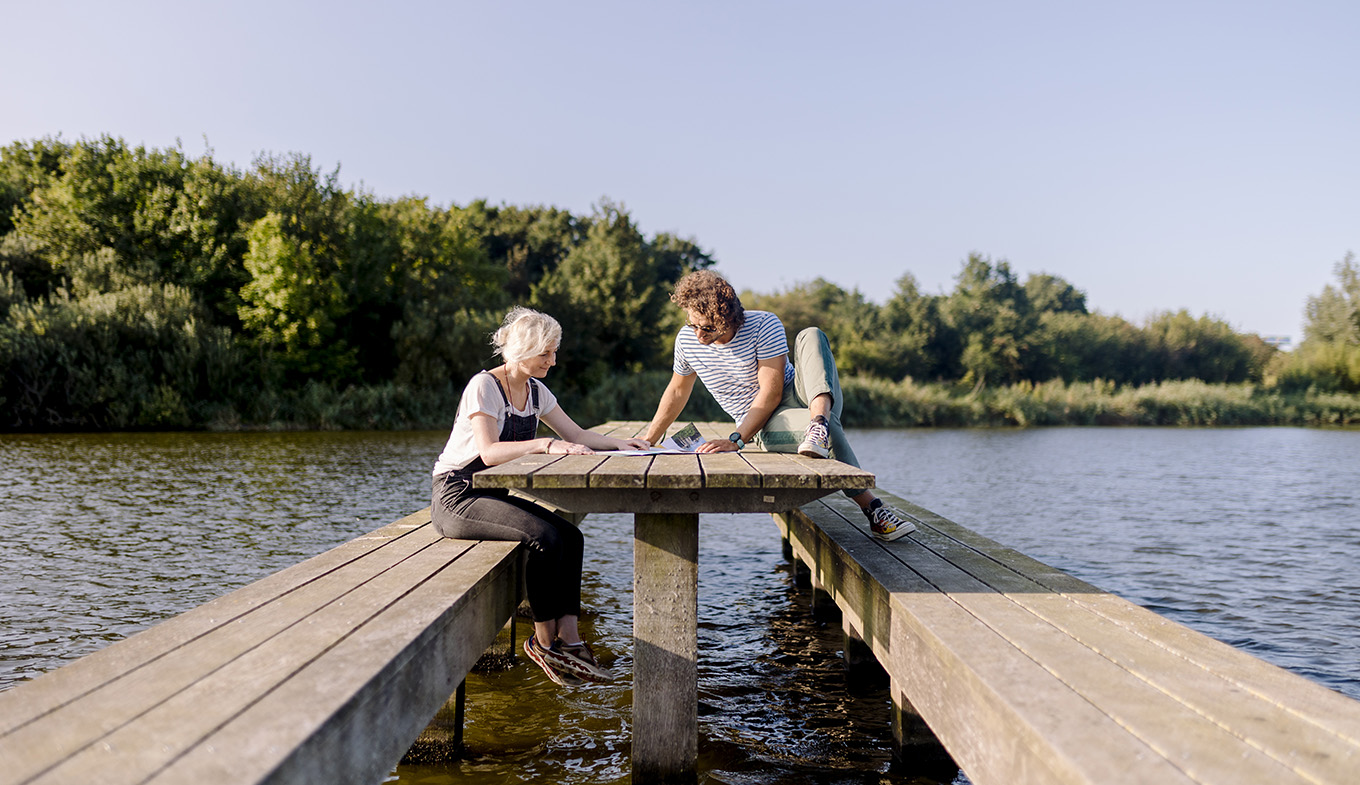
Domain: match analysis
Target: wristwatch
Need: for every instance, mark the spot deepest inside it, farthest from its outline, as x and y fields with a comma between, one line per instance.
x=736, y=439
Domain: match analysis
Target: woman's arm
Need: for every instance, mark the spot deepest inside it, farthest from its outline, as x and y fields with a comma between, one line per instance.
x=495, y=452
x=575, y=435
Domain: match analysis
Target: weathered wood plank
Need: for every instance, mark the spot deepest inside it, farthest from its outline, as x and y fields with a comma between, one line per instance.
x=1197, y=720
x=1304, y=698
x=675, y=471
x=848, y=477
x=111, y=705
x=30, y=700
x=729, y=470
x=567, y=474
x=780, y=470
x=404, y=662
x=621, y=471
x=511, y=475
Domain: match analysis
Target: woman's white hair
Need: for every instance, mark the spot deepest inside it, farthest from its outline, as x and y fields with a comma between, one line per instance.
x=526, y=333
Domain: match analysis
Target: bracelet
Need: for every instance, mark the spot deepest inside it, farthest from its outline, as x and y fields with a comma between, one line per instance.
x=548, y=450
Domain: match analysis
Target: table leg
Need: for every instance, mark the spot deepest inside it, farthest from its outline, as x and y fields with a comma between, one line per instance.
x=665, y=647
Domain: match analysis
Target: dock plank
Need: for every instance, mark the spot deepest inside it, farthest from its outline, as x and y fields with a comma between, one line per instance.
x=111, y=705
x=100, y=667
x=1185, y=711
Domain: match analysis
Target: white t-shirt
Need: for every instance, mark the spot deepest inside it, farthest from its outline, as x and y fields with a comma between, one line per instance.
x=729, y=370
x=483, y=394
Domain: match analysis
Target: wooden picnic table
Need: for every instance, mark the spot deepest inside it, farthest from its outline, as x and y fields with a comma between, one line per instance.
x=666, y=493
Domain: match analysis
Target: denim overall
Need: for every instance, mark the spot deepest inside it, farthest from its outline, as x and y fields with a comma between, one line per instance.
x=517, y=428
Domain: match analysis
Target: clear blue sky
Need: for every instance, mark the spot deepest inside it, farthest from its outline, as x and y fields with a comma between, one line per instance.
x=1158, y=155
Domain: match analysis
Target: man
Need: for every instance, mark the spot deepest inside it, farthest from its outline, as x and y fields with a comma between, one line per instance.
x=743, y=359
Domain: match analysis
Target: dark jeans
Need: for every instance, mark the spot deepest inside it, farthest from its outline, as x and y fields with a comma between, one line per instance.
x=556, y=547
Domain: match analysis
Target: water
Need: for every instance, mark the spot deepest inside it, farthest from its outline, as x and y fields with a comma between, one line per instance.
x=1248, y=535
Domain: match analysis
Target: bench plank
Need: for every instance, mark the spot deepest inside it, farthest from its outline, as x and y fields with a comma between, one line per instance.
x=109, y=706
x=398, y=606
x=30, y=700
x=1166, y=707
x=405, y=666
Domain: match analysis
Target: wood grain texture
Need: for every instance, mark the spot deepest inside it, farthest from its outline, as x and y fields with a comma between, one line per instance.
x=1029, y=675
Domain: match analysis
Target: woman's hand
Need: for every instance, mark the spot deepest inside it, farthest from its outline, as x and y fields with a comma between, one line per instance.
x=559, y=447
x=634, y=444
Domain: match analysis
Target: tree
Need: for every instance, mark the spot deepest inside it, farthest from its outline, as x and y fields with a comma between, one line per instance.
x=917, y=334
x=995, y=322
x=292, y=300
x=1334, y=315
x=1051, y=294
x=607, y=294
x=449, y=294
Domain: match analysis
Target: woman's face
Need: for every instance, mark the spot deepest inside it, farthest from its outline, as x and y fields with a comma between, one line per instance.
x=539, y=365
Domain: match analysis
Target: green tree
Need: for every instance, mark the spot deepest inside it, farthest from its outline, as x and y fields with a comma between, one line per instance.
x=1334, y=315
x=292, y=300
x=449, y=294
x=608, y=296
x=917, y=334
x=992, y=315
x=1051, y=294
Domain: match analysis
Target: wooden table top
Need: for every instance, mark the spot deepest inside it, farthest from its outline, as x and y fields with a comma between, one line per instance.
x=746, y=481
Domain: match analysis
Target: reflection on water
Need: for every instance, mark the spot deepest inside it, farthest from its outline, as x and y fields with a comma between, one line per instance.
x=1248, y=535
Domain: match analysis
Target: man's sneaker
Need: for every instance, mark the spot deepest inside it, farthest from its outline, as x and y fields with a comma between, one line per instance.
x=539, y=654
x=886, y=524
x=816, y=440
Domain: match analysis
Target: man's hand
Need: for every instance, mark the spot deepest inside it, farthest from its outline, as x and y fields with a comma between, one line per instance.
x=720, y=445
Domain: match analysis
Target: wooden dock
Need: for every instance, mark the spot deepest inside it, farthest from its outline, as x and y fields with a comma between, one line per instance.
x=329, y=670
x=1028, y=675
x=324, y=672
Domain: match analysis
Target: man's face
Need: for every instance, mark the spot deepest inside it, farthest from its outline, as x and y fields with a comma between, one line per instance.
x=705, y=330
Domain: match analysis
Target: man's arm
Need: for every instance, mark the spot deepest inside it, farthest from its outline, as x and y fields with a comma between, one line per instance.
x=770, y=377
x=672, y=402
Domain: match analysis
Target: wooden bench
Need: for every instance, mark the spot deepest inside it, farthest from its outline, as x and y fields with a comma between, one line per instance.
x=1028, y=675
x=324, y=672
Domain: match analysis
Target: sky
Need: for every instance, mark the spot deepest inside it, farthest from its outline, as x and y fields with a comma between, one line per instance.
x=1157, y=155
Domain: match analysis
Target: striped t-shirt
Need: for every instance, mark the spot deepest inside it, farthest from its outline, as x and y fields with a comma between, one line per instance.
x=728, y=370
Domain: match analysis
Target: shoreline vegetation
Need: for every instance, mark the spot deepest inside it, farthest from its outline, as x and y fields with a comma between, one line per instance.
x=871, y=403
x=152, y=289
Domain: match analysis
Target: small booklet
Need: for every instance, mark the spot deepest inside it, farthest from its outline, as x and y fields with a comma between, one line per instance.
x=685, y=440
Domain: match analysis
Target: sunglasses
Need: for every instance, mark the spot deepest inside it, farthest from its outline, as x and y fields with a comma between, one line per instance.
x=702, y=329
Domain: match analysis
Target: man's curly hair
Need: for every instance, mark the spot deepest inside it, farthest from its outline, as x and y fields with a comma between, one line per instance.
x=711, y=296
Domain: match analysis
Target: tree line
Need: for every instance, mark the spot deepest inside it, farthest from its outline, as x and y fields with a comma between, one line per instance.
x=151, y=288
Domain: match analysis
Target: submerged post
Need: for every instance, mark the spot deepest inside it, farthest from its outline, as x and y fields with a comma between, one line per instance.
x=665, y=647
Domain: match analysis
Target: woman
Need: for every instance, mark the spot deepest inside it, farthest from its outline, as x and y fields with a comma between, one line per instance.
x=497, y=422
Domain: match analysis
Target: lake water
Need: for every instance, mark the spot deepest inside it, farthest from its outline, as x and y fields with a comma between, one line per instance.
x=1249, y=535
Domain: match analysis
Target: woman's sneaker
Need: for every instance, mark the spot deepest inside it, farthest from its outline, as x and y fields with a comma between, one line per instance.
x=886, y=523
x=576, y=661
x=539, y=655
x=816, y=440
x=582, y=661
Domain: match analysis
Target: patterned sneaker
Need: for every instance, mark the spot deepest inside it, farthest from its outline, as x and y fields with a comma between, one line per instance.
x=538, y=654
x=816, y=440
x=583, y=660
x=886, y=523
